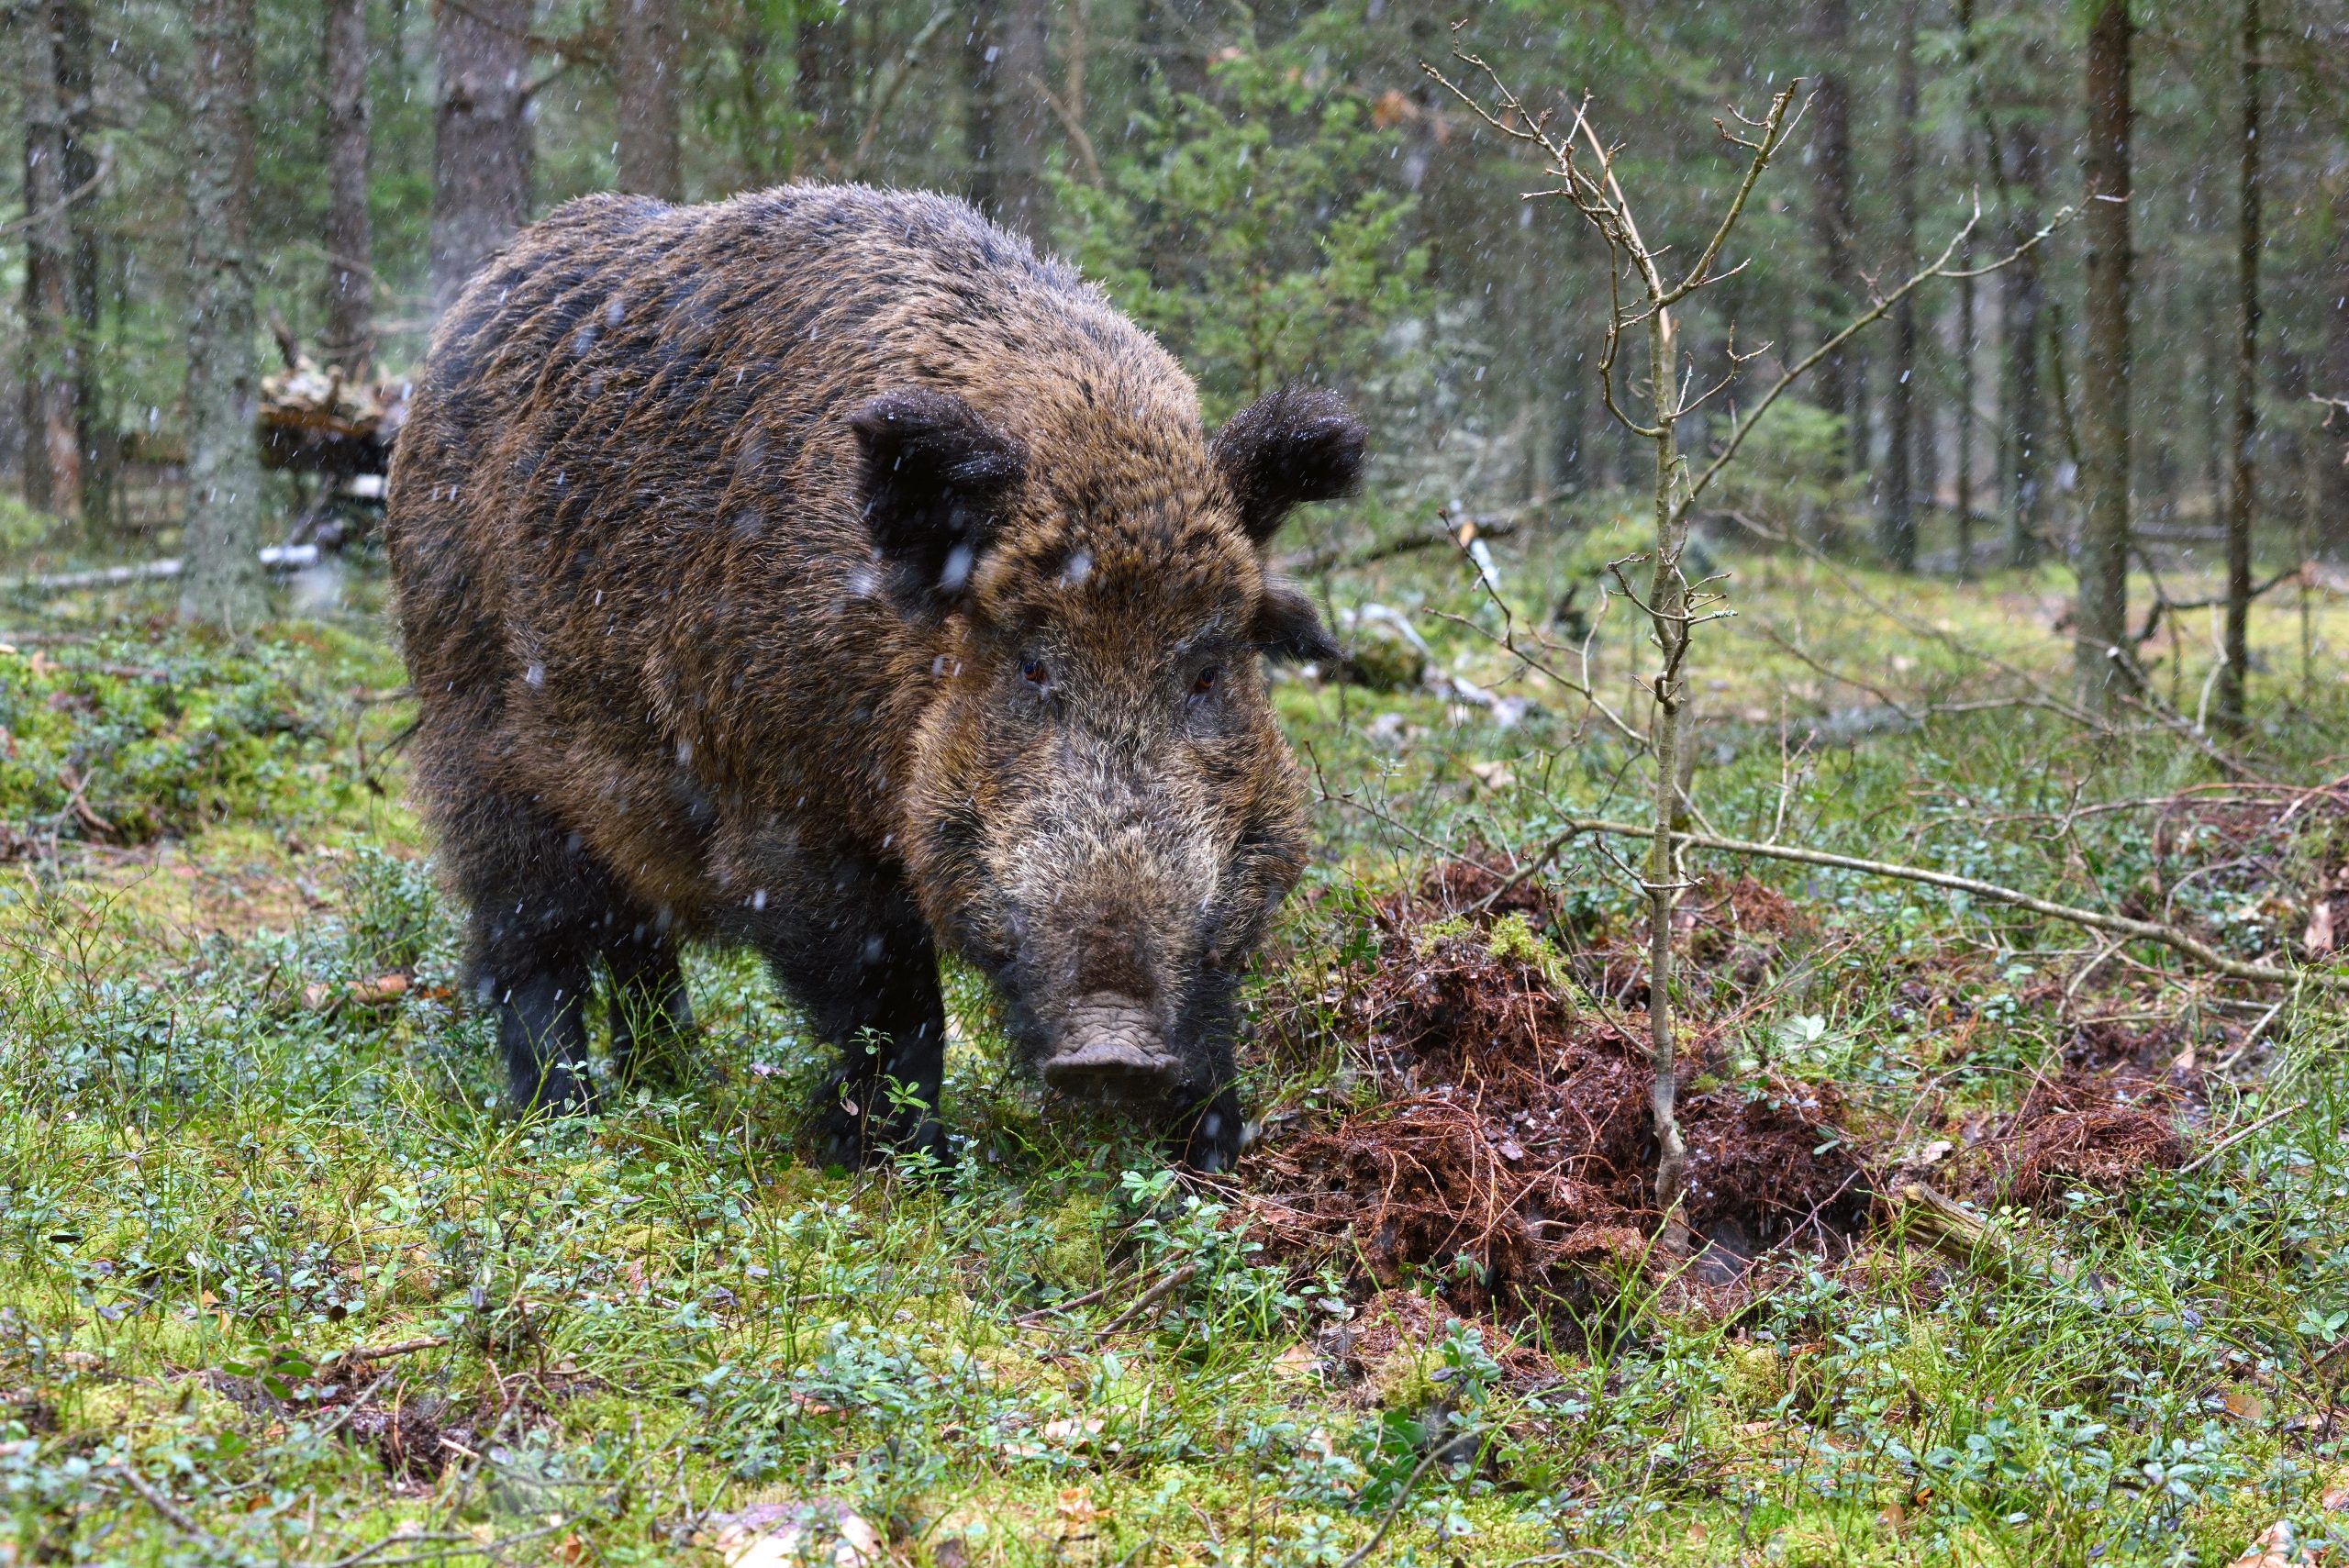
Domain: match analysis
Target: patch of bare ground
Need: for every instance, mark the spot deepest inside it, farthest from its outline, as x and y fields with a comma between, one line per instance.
x=2098, y=1132
x=1505, y=1151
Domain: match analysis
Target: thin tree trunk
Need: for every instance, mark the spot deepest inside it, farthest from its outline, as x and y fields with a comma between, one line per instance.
x=651, y=161
x=1008, y=114
x=222, y=580
x=481, y=140
x=1668, y=618
x=350, y=338
x=53, y=446
x=755, y=142
x=1896, y=522
x=95, y=458
x=1965, y=328
x=826, y=55
x=2215, y=358
x=2102, y=616
x=2025, y=409
x=1843, y=378
x=2243, y=487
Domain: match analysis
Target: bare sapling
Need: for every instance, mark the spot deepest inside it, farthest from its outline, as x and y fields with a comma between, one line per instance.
x=1643, y=298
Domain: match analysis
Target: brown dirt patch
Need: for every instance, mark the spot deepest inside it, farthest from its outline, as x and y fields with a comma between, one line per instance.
x=1505, y=1152
x=1457, y=887
x=2085, y=1132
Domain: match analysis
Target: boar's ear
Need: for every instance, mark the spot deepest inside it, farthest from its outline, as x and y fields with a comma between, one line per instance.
x=935, y=475
x=1288, y=447
x=1288, y=627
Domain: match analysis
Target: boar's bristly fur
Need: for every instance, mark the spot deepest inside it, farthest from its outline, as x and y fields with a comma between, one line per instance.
x=822, y=571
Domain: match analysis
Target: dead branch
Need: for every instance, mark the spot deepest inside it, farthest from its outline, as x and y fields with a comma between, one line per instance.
x=1939, y=268
x=1336, y=558
x=1146, y=1300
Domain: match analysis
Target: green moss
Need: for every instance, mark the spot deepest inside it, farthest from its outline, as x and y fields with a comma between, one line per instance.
x=1073, y=1257
x=143, y=733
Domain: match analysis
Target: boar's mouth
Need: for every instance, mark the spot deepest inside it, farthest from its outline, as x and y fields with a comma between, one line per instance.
x=1112, y=1048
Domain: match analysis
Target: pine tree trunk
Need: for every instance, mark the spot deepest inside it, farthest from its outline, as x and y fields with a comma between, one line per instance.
x=826, y=61
x=1008, y=114
x=1843, y=377
x=2102, y=618
x=650, y=158
x=1966, y=330
x=2243, y=490
x=1896, y=521
x=95, y=455
x=222, y=581
x=350, y=338
x=481, y=142
x=2024, y=409
x=53, y=446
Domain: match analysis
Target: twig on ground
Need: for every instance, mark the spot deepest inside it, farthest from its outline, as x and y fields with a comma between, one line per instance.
x=1090, y=1297
x=173, y=1514
x=2237, y=1136
x=359, y=1355
x=1361, y=1554
x=1148, y=1299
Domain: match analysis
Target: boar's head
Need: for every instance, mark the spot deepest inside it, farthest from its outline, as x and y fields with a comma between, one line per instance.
x=1102, y=813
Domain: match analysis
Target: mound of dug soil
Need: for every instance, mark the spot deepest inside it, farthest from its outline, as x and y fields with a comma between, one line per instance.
x=2078, y=1131
x=1508, y=1146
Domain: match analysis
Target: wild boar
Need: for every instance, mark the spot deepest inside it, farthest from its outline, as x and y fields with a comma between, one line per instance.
x=824, y=570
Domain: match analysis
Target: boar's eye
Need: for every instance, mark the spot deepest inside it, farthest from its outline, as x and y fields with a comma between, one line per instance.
x=1203, y=683
x=1032, y=671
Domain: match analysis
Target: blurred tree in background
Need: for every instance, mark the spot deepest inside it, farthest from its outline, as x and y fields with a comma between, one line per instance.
x=1277, y=192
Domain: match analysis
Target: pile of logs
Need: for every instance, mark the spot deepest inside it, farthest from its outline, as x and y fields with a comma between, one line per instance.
x=313, y=421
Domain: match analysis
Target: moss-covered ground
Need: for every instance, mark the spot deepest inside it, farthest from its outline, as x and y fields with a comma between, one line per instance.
x=245, y=1126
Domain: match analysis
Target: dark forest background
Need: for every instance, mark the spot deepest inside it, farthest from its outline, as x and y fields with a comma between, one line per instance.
x=1277, y=190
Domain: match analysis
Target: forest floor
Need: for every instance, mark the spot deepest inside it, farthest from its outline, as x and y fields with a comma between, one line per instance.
x=2017, y=1246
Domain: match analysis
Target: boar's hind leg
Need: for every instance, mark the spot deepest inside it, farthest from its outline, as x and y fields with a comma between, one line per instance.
x=861, y=962
x=652, y=1020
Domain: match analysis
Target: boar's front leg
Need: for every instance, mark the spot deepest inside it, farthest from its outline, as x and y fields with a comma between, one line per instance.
x=532, y=894
x=859, y=958
x=540, y=990
x=1208, y=1125
x=651, y=1019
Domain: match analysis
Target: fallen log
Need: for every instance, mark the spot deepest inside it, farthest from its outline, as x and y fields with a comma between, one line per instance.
x=274, y=557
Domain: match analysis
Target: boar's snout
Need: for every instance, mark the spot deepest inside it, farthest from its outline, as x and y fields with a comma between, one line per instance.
x=1112, y=1048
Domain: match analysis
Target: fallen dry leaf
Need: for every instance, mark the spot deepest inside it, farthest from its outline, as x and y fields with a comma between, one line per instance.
x=1076, y=1510
x=2318, y=938
x=382, y=990
x=794, y=1535
x=2275, y=1548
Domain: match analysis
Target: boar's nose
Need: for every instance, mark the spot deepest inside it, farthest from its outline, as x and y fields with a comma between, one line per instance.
x=1111, y=1048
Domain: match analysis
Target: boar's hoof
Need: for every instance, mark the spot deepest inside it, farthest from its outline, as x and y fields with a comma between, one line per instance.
x=562, y=1089
x=1111, y=1049
x=1214, y=1141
